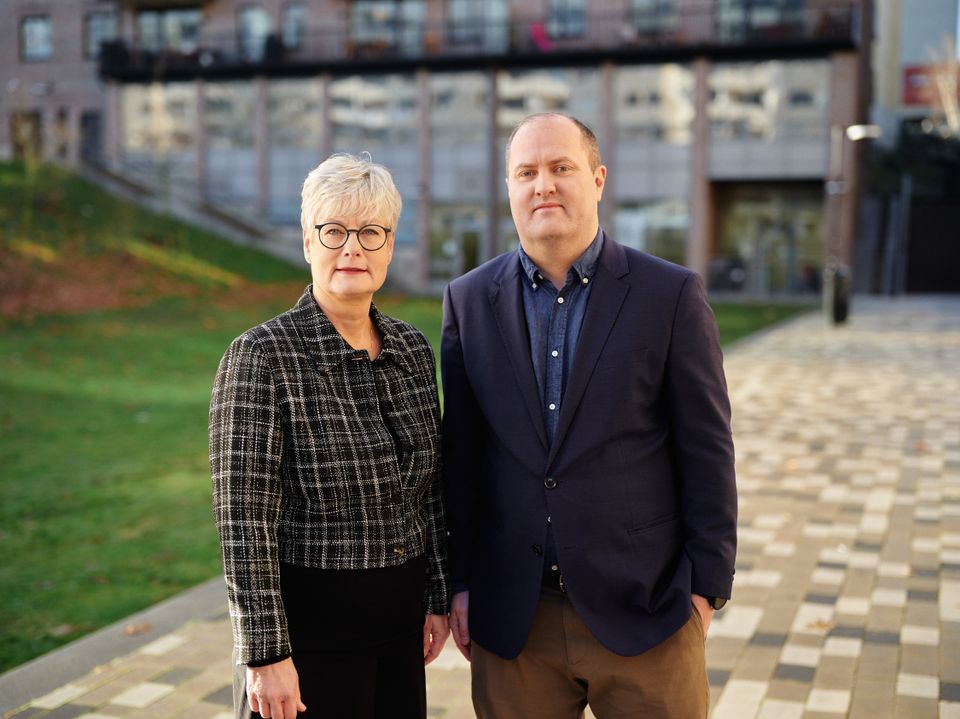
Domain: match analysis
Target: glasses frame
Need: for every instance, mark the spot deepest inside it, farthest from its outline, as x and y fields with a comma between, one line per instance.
x=346, y=239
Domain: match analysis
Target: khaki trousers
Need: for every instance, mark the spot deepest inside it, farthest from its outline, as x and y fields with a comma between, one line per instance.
x=563, y=668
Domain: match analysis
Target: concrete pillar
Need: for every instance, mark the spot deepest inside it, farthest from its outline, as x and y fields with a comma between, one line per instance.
x=112, y=130
x=73, y=135
x=608, y=141
x=50, y=133
x=843, y=173
x=491, y=239
x=261, y=142
x=326, y=138
x=423, y=178
x=700, y=239
x=200, y=137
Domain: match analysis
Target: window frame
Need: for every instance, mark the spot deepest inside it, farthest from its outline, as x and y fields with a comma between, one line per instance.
x=302, y=26
x=91, y=54
x=22, y=38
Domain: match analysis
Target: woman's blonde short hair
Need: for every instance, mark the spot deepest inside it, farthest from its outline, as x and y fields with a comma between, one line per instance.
x=347, y=185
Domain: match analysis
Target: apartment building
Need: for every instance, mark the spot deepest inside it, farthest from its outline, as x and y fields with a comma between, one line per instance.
x=721, y=121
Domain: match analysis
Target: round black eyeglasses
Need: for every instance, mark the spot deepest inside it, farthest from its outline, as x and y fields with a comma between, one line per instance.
x=333, y=235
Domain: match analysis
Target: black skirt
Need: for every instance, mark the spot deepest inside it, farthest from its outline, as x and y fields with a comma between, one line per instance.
x=357, y=638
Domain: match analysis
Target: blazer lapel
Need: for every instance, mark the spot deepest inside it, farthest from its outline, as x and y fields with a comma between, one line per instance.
x=603, y=308
x=507, y=304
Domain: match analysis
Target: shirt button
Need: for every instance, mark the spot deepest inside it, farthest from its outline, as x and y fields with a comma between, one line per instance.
x=551, y=406
x=585, y=280
x=554, y=354
x=560, y=300
x=537, y=549
x=534, y=285
x=550, y=482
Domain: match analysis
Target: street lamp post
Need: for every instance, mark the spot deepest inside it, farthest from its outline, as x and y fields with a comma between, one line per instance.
x=837, y=274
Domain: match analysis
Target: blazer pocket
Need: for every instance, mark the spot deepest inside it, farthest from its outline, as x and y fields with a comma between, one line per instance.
x=654, y=523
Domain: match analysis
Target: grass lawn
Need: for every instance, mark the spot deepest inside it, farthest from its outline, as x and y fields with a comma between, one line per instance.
x=104, y=484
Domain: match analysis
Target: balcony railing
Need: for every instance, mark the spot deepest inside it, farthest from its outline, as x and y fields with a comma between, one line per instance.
x=541, y=39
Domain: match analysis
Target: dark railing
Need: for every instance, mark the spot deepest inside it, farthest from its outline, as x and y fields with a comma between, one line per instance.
x=548, y=40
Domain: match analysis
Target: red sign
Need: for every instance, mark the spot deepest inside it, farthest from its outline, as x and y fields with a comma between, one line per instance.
x=920, y=85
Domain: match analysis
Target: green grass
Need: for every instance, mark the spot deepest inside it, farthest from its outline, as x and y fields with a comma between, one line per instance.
x=104, y=480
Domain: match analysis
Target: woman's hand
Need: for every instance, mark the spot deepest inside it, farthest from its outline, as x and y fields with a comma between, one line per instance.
x=274, y=690
x=435, y=633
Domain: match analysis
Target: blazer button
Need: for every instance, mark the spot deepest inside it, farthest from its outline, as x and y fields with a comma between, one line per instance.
x=537, y=549
x=550, y=482
x=399, y=551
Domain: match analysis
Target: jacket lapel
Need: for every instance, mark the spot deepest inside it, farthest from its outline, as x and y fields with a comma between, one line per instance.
x=506, y=301
x=603, y=308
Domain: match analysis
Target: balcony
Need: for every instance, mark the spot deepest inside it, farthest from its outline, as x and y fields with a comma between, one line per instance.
x=535, y=40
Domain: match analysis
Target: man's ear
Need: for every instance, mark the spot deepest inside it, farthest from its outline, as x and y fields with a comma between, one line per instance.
x=306, y=245
x=600, y=178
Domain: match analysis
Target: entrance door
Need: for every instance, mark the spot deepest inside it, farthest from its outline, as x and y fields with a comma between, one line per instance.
x=26, y=134
x=91, y=137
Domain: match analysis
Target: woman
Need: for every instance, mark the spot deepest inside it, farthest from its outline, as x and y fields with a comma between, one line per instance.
x=324, y=450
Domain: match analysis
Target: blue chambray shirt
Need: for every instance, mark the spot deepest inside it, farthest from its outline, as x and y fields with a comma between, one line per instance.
x=554, y=319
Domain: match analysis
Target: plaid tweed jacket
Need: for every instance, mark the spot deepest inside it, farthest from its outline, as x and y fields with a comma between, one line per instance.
x=322, y=458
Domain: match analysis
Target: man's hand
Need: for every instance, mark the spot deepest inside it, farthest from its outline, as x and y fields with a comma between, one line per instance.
x=436, y=629
x=458, y=622
x=274, y=690
x=706, y=611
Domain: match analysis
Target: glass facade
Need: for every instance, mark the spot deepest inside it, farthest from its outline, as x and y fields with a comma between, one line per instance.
x=378, y=114
x=769, y=100
x=459, y=171
x=231, y=157
x=295, y=132
x=159, y=124
x=769, y=119
x=658, y=227
x=766, y=120
x=650, y=173
x=769, y=239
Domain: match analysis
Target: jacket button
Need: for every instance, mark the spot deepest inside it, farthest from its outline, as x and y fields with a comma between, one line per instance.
x=550, y=482
x=399, y=551
x=537, y=549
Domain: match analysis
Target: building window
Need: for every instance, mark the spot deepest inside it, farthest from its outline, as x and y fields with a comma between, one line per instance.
x=36, y=41
x=653, y=16
x=480, y=22
x=381, y=24
x=98, y=27
x=253, y=26
x=294, y=23
x=567, y=18
x=177, y=30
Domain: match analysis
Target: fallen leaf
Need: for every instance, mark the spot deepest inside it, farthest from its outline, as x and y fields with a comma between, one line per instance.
x=131, y=630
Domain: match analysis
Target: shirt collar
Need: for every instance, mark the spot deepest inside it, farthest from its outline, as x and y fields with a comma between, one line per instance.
x=583, y=268
x=329, y=347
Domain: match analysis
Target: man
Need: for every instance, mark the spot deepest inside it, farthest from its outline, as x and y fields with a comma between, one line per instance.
x=588, y=461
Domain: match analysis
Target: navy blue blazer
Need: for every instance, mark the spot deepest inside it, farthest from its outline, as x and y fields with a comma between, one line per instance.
x=639, y=482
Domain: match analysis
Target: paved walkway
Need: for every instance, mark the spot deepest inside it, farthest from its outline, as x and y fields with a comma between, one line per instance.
x=847, y=594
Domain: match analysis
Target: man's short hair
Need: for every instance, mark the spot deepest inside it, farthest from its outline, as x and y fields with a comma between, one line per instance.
x=590, y=144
